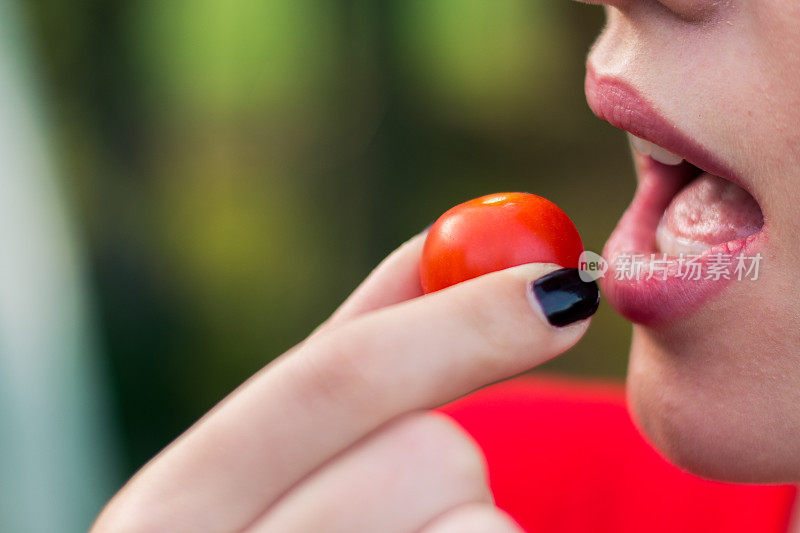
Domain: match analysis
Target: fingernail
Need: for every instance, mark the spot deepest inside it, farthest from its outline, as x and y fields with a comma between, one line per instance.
x=564, y=297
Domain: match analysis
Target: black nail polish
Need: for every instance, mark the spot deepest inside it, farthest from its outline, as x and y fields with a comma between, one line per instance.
x=565, y=298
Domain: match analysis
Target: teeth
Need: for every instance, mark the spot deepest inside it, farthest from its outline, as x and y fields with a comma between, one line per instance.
x=665, y=156
x=640, y=145
x=653, y=150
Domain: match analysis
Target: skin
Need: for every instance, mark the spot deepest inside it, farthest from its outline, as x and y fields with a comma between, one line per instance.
x=718, y=391
x=336, y=434
x=329, y=424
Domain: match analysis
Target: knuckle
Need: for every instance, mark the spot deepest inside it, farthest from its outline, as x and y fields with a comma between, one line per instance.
x=490, y=518
x=450, y=448
x=334, y=367
x=499, y=313
x=498, y=330
x=475, y=518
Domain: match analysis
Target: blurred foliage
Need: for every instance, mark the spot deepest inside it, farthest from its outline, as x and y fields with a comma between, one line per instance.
x=238, y=166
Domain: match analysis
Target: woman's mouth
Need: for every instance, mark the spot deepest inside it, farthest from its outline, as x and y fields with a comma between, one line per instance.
x=707, y=211
x=692, y=227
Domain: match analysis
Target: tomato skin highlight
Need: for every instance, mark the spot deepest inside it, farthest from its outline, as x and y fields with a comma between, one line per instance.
x=495, y=232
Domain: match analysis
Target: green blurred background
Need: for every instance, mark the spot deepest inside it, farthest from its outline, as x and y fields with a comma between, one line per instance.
x=236, y=167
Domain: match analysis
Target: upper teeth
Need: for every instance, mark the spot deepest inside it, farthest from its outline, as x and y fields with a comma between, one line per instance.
x=653, y=150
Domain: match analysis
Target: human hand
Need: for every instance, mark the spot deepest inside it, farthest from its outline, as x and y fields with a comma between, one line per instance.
x=337, y=433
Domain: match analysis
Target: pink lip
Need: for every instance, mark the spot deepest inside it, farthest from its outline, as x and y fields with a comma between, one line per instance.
x=619, y=104
x=670, y=296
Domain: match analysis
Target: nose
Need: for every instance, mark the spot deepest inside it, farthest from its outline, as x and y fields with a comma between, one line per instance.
x=690, y=10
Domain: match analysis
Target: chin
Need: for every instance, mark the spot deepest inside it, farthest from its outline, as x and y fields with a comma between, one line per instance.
x=715, y=404
x=714, y=376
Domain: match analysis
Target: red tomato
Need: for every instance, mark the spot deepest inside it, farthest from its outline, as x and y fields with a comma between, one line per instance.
x=496, y=232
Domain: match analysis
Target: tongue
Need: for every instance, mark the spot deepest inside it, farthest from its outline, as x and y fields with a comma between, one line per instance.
x=708, y=211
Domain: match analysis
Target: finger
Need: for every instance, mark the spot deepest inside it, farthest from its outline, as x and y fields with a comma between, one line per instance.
x=393, y=281
x=474, y=518
x=394, y=481
x=295, y=415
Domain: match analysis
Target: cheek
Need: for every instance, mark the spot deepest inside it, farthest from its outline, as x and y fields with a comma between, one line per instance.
x=691, y=9
x=776, y=50
x=719, y=398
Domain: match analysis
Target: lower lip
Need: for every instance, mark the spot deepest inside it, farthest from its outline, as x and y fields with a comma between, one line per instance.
x=668, y=294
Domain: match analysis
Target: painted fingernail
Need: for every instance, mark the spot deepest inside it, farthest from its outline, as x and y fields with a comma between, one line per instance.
x=564, y=297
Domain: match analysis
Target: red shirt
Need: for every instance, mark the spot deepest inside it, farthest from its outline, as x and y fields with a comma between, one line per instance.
x=564, y=456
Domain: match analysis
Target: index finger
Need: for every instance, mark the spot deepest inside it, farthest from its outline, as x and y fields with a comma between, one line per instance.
x=292, y=417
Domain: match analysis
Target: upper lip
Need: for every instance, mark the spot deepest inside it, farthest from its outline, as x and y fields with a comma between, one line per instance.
x=621, y=105
x=649, y=300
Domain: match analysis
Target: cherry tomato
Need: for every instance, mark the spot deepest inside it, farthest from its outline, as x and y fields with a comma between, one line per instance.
x=496, y=232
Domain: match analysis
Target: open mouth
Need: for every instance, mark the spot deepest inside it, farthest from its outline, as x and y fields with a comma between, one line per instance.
x=702, y=210
x=689, y=210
